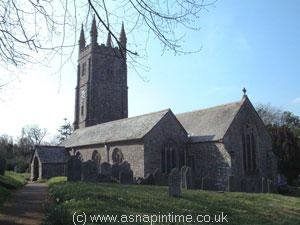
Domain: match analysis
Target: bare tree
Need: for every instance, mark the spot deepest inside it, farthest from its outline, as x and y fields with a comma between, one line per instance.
x=270, y=115
x=34, y=134
x=28, y=26
x=276, y=117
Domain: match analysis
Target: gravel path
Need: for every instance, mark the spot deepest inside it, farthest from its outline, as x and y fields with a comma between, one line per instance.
x=26, y=206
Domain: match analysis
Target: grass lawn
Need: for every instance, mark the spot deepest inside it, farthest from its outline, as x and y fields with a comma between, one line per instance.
x=10, y=181
x=112, y=199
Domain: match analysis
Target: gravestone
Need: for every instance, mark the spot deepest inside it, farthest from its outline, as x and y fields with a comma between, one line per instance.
x=125, y=173
x=74, y=169
x=126, y=177
x=89, y=171
x=231, y=186
x=117, y=168
x=264, y=185
x=149, y=179
x=281, y=180
x=2, y=165
x=105, y=175
x=202, y=183
x=124, y=166
x=160, y=178
x=186, y=177
x=139, y=180
x=270, y=186
x=243, y=185
x=115, y=171
x=157, y=177
x=208, y=183
x=175, y=183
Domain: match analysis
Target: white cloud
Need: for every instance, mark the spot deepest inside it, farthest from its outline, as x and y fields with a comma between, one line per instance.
x=296, y=101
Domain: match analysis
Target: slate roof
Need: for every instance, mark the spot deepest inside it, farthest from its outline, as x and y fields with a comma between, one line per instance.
x=119, y=130
x=209, y=124
x=52, y=154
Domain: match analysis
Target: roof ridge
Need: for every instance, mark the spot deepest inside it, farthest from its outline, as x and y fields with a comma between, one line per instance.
x=132, y=128
x=124, y=119
x=210, y=108
x=56, y=146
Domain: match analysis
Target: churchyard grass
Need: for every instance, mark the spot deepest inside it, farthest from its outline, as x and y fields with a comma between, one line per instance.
x=10, y=181
x=56, y=180
x=294, y=191
x=112, y=199
x=4, y=195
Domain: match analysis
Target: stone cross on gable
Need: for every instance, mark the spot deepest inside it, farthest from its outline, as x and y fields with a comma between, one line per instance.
x=244, y=91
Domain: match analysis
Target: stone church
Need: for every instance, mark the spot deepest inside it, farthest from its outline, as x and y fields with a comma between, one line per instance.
x=223, y=144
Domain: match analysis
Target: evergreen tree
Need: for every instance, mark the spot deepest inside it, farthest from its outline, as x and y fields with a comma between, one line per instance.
x=65, y=131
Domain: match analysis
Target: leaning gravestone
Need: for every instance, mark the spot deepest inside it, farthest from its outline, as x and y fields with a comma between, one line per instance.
x=186, y=178
x=105, y=175
x=89, y=171
x=160, y=178
x=74, y=169
x=139, y=180
x=175, y=183
x=149, y=179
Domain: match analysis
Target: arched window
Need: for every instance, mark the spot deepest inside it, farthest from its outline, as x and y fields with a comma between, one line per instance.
x=79, y=156
x=96, y=157
x=117, y=156
x=249, y=149
x=169, y=157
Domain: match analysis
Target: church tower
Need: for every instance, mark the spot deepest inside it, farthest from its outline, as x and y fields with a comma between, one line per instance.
x=101, y=93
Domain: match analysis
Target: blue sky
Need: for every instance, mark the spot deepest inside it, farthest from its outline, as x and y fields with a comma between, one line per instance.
x=253, y=44
x=244, y=43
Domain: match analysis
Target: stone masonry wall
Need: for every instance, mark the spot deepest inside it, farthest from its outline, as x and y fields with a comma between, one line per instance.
x=133, y=152
x=101, y=92
x=167, y=129
x=53, y=170
x=211, y=165
x=233, y=142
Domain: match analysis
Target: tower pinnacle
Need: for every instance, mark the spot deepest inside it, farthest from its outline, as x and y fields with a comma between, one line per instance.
x=109, y=42
x=81, y=39
x=94, y=32
x=123, y=39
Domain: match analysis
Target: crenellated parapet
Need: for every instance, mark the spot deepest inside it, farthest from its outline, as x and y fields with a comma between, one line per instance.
x=119, y=50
